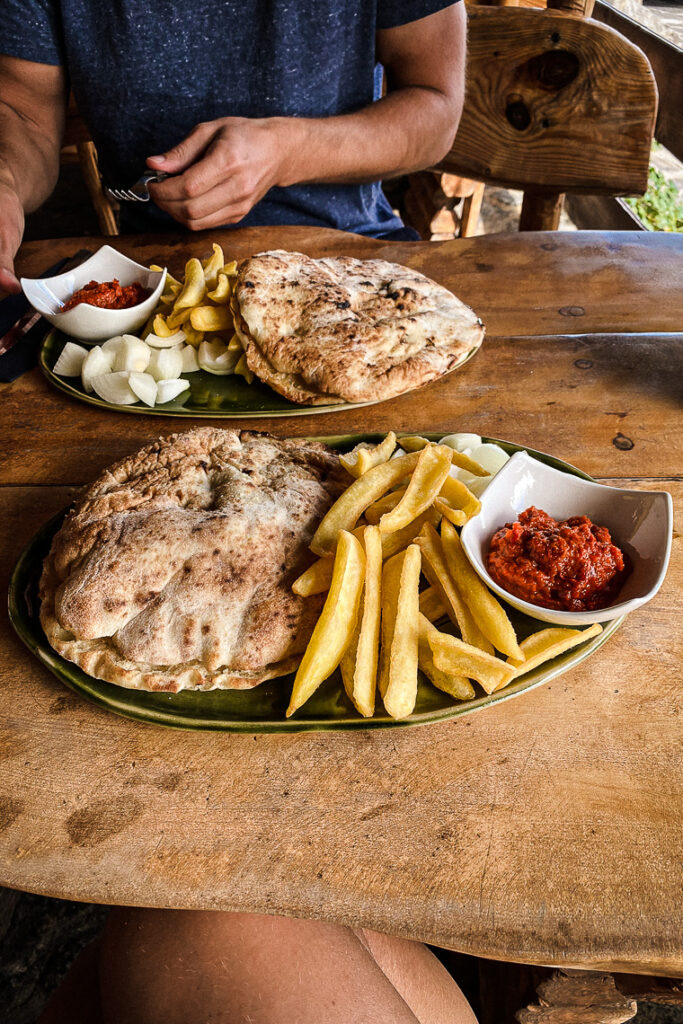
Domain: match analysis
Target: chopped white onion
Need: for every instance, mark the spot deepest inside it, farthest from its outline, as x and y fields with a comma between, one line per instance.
x=71, y=359
x=95, y=363
x=167, y=390
x=132, y=356
x=215, y=357
x=113, y=345
x=114, y=388
x=461, y=441
x=154, y=341
x=144, y=386
x=165, y=363
x=188, y=354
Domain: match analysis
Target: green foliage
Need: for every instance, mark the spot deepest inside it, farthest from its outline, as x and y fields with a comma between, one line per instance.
x=661, y=208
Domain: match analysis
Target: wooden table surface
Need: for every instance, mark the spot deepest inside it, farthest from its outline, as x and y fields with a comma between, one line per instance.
x=544, y=830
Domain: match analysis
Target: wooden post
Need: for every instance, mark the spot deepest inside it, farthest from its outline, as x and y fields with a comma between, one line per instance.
x=541, y=211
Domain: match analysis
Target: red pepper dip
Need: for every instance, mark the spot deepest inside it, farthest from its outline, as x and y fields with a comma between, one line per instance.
x=571, y=566
x=108, y=295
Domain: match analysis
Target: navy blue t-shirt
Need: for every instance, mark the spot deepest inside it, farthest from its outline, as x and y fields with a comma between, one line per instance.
x=145, y=72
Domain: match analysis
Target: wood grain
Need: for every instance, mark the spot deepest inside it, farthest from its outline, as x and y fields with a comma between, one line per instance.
x=553, y=101
x=544, y=830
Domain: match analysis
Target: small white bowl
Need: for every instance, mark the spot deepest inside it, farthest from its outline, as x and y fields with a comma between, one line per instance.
x=640, y=523
x=91, y=323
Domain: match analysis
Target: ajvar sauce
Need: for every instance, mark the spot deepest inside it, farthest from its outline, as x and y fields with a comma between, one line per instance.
x=570, y=566
x=108, y=295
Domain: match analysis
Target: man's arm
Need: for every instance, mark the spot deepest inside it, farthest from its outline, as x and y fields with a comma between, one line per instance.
x=32, y=103
x=224, y=167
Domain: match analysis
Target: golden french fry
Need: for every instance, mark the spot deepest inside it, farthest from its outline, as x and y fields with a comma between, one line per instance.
x=235, y=345
x=454, y=515
x=455, y=657
x=194, y=287
x=230, y=269
x=401, y=689
x=350, y=505
x=433, y=465
x=391, y=579
x=334, y=628
x=221, y=293
x=431, y=605
x=179, y=318
x=457, y=686
x=160, y=327
x=463, y=461
x=243, y=370
x=211, y=318
x=213, y=265
x=488, y=613
x=413, y=442
x=316, y=579
x=548, y=643
x=459, y=496
x=364, y=457
x=436, y=571
x=374, y=513
x=192, y=337
x=359, y=663
x=171, y=282
x=392, y=543
x=167, y=299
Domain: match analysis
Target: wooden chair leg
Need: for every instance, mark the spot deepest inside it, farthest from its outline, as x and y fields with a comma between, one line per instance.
x=106, y=217
x=541, y=212
x=471, y=207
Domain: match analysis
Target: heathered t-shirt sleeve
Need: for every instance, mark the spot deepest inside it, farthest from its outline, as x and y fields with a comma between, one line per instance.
x=392, y=13
x=29, y=29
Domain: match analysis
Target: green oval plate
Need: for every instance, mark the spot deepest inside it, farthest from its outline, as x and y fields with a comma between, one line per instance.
x=262, y=709
x=209, y=394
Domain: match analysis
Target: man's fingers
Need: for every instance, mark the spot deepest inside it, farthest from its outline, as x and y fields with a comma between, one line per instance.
x=186, y=152
x=216, y=207
x=198, y=180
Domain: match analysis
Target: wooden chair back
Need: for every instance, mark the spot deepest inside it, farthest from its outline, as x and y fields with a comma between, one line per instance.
x=554, y=103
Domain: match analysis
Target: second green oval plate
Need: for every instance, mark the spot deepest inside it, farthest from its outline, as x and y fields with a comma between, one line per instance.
x=262, y=709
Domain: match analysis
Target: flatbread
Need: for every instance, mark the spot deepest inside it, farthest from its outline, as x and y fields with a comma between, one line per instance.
x=336, y=330
x=174, y=569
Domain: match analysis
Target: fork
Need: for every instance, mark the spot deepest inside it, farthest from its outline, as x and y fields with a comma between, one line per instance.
x=138, y=193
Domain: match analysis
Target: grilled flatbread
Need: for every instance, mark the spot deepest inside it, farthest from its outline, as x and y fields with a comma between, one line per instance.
x=326, y=331
x=174, y=569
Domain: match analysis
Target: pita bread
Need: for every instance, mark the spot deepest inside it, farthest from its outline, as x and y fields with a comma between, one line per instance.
x=174, y=570
x=326, y=331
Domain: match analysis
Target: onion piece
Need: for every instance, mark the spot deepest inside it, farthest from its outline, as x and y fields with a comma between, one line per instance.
x=167, y=390
x=215, y=357
x=165, y=363
x=95, y=363
x=71, y=359
x=114, y=388
x=189, y=357
x=154, y=341
x=144, y=386
x=132, y=356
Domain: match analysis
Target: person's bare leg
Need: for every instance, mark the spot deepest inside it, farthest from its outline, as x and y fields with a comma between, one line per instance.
x=178, y=967
x=419, y=977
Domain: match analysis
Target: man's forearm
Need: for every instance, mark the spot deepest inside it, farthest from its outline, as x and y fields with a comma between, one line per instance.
x=409, y=129
x=29, y=162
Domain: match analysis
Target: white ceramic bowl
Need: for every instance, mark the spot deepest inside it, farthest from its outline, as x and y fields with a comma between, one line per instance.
x=640, y=523
x=90, y=323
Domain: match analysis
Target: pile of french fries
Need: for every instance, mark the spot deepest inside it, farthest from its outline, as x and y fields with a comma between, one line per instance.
x=199, y=305
x=395, y=523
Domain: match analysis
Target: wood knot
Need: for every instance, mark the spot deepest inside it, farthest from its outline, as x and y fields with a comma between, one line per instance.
x=518, y=114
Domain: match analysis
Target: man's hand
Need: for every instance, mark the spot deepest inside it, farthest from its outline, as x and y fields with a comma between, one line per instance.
x=222, y=169
x=11, y=231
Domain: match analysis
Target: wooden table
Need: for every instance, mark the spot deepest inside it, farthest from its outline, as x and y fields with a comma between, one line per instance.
x=543, y=830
